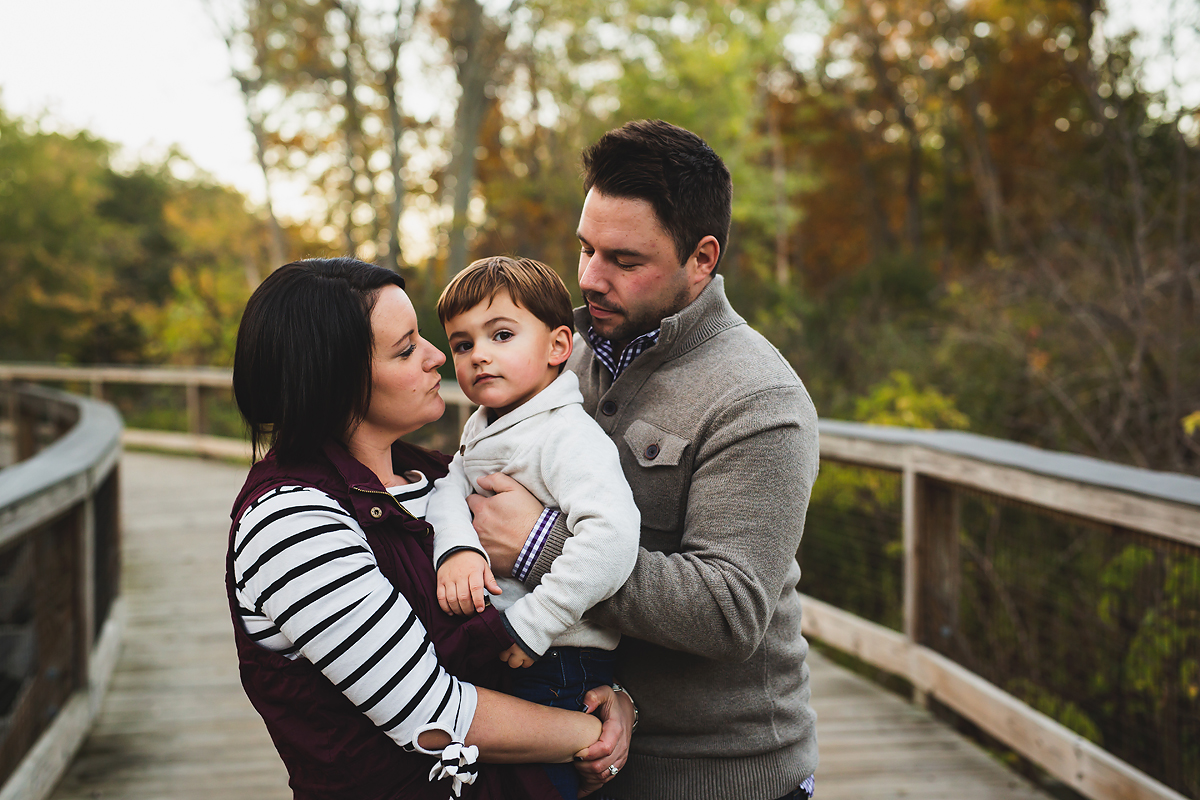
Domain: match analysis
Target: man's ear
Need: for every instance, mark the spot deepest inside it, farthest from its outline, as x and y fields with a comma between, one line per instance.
x=560, y=345
x=704, y=259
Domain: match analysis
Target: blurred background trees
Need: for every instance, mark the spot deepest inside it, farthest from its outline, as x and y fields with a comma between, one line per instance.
x=988, y=198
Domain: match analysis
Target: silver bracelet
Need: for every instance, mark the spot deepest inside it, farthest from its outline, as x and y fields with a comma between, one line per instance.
x=616, y=687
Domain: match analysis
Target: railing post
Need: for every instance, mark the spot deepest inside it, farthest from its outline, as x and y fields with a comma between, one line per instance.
x=87, y=581
x=938, y=575
x=195, y=409
x=24, y=431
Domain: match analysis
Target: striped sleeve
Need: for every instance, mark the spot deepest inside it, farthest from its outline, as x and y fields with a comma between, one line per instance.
x=308, y=585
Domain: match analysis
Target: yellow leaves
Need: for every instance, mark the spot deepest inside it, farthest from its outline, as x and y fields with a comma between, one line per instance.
x=1191, y=423
x=1038, y=360
x=897, y=401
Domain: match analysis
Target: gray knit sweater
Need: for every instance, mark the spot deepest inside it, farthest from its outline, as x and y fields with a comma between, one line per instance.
x=718, y=438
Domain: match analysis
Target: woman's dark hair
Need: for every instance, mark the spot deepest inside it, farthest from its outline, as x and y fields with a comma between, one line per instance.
x=302, y=367
x=673, y=170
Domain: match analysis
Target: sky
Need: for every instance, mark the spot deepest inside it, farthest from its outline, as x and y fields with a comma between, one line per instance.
x=144, y=73
x=149, y=74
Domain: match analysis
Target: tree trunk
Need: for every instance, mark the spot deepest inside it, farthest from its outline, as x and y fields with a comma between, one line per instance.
x=249, y=88
x=779, y=179
x=474, y=69
x=400, y=35
x=983, y=170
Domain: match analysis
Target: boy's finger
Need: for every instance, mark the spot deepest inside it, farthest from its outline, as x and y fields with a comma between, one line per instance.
x=489, y=580
x=475, y=581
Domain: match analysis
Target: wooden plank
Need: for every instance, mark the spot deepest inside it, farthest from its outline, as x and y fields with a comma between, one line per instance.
x=1176, y=517
x=1063, y=753
x=1060, y=751
x=904, y=753
x=1107, y=506
x=168, y=376
x=187, y=443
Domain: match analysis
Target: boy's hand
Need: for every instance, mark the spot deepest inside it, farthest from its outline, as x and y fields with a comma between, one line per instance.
x=515, y=657
x=461, y=580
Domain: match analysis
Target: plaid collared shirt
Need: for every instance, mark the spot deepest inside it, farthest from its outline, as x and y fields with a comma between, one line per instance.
x=603, y=348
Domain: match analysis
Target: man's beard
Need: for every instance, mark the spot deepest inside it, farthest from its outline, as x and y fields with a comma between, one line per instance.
x=628, y=327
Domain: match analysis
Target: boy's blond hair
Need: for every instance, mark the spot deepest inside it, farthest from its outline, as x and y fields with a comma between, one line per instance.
x=531, y=284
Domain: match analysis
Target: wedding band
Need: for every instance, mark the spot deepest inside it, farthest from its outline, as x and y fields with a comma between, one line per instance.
x=612, y=769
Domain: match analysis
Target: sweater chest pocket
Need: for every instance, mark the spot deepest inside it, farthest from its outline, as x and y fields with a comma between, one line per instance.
x=661, y=482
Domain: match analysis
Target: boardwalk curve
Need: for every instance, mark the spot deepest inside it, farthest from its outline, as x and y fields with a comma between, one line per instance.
x=176, y=725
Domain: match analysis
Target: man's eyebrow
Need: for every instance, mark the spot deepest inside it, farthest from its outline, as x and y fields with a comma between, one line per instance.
x=616, y=251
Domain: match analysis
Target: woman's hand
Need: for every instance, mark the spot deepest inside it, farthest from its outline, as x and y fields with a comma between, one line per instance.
x=504, y=520
x=615, y=710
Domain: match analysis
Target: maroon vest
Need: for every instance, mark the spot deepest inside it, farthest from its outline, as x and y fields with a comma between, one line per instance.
x=332, y=751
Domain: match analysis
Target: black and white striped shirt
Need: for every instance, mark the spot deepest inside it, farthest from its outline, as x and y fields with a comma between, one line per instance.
x=308, y=585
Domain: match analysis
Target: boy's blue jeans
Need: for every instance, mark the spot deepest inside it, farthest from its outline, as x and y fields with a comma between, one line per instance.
x=560, y=679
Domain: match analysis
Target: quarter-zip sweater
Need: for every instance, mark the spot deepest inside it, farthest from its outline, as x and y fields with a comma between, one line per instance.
x=718, y=438
x=333, y=740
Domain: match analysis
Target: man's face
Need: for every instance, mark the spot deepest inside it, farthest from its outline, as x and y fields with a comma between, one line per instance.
x=629, y=273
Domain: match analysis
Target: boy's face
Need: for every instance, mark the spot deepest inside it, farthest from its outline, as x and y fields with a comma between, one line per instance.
x=503, y=354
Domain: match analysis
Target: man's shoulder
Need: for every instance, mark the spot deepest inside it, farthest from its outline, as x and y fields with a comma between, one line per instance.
x=739, y=357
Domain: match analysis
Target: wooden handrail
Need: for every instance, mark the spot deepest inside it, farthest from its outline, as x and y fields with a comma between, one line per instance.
x=60, y=532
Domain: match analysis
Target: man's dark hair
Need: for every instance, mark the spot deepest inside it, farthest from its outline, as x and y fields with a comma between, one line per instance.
x=302, y=365
x=673, y=170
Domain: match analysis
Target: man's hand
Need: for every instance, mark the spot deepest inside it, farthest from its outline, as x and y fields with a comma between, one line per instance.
x=461, y=579
x=612, y=748
x=504, y=520
x=515, y=657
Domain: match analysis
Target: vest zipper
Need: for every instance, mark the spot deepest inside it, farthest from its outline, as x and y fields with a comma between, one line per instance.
x=389, y=496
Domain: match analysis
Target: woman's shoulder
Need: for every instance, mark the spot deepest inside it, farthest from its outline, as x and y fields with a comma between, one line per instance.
x=290, y=513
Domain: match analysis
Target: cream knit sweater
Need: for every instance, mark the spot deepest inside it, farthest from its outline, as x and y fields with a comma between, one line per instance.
x=559, y=453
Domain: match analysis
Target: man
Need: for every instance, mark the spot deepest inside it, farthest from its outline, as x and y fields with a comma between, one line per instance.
x=718, y=439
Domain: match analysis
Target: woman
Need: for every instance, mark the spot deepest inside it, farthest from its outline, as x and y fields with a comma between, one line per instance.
x=343, y=650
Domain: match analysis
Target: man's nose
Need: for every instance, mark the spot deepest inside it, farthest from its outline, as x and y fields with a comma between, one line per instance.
x=591, y=277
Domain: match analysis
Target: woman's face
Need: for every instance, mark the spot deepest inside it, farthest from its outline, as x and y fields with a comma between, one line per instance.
x=404, y=377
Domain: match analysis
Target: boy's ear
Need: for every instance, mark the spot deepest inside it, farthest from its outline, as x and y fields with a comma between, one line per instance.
x=560, y=345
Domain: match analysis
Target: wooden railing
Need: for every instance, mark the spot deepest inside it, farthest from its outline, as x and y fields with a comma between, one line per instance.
x=939, y=472
x=940, y=479
x=197, y=384
x=60, y=616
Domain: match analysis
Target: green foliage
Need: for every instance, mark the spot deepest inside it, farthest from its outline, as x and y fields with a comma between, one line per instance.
x=102, y=266
x=898, y=402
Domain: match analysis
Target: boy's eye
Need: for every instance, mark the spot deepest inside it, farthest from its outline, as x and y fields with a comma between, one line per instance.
x=460, y=347
x=503, y=336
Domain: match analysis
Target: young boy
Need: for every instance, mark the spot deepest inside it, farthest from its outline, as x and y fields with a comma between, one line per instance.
x=509, y=322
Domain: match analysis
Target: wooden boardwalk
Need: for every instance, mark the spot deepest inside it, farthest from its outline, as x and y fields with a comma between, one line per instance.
x=176, y=726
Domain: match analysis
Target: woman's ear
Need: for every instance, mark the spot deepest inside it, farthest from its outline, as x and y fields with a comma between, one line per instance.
x=560, y=345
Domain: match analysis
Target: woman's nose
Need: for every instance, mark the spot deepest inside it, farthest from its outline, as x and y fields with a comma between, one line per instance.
x=436, y=358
